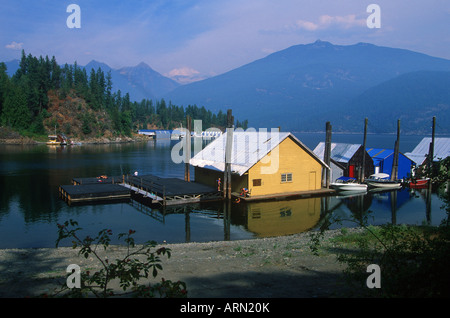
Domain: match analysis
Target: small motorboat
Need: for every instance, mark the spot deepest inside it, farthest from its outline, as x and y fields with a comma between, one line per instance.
x=348, y=184
x=53, y=140
x=419, y=183
x=382, y=180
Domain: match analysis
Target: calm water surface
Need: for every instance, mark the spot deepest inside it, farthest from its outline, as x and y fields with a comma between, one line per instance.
x=30, y=207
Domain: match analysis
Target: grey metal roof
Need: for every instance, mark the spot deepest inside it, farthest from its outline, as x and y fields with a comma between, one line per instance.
x=248, y=148
x=420, y=152
x=340, y=152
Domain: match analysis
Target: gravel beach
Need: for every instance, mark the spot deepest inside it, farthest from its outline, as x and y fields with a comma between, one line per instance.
x=278, y=267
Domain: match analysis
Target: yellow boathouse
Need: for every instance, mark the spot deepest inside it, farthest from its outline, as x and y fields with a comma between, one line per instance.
x=268, y=164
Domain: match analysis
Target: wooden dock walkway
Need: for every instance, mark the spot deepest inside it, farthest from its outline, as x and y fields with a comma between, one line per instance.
x=144, y=193
x=279, y=196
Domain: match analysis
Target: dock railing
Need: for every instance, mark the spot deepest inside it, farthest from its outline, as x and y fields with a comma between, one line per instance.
x=146, y=188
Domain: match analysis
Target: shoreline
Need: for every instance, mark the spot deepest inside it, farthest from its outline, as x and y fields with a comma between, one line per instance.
x=262, y=267
x=26, y=141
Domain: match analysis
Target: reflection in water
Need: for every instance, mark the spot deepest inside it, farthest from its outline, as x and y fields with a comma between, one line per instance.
x=404, y=206
x=261, y=219
x=278, y=218
x=286, y=217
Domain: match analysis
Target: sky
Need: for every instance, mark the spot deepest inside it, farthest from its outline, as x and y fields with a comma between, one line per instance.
x=203, y=38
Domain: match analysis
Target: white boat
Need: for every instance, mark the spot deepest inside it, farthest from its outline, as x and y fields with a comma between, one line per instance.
x=382, y=180
x=348, y=184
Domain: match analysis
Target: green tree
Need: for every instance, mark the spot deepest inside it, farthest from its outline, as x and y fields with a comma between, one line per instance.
x=108, y=94
x=4, y=84
x=126, y=122
x=55, y=74
x=15, y=112
x=86, y=124
x=37, y=126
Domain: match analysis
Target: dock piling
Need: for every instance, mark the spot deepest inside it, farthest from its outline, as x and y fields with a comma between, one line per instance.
x=394, y=174
x=228, y=152
x=362, y=174
x=187, y=149
x=327, y=154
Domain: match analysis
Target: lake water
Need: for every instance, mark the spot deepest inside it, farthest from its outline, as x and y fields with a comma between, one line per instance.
x=30, y=208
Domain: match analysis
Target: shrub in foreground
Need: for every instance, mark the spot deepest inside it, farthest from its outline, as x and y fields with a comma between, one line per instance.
x=138, y=263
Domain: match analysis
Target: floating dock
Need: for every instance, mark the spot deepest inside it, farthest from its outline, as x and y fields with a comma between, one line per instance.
x=93, y=192
x=172, y=191
x=162, y=191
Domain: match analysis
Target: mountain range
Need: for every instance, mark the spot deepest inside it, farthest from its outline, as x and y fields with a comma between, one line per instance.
x=303, y=86
x=140, y=81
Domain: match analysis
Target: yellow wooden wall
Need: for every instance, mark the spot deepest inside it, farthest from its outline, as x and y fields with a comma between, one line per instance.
x=287, y=157
x=209, y=177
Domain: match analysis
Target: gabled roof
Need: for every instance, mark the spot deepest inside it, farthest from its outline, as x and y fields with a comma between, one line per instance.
x=380, y=154
x=441, y=150
x=248, y=149
x=340, y=152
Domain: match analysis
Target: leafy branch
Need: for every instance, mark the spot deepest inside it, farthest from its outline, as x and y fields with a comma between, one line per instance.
x=137, y=264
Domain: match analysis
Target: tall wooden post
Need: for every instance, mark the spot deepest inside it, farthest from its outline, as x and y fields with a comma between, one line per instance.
x=187, y=158
x=228, y=152
x=327, y=154
x=430, y=163
x=394, y=173
x=431, y=150
x=363, y=170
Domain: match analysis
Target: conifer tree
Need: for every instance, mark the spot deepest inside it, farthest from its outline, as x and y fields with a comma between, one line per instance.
x=4, y=84
x=15, y=112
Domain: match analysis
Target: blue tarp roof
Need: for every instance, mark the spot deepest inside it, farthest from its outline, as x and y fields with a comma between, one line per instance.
x=345, y=178
x=379, y=153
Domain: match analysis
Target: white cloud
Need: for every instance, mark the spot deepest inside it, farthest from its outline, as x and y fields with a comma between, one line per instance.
x=14, y=45
x=306, y=25
x=183, y=71
x=346, y=22
x=185, y=75
x=327, y=21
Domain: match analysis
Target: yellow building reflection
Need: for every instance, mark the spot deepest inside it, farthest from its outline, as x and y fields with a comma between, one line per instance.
x=276, y=218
